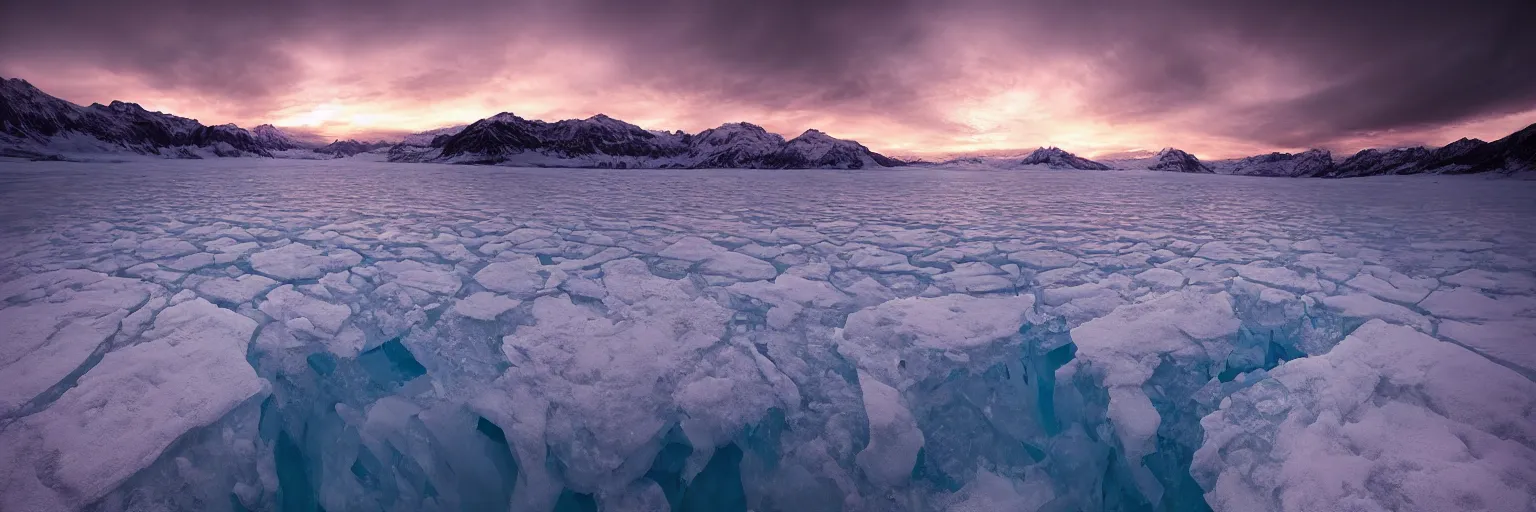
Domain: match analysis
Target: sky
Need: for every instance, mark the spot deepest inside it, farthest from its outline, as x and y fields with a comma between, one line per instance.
x=1218, y=78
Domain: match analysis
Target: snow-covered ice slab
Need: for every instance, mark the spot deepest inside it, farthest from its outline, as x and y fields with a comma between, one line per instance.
x=131, y=406
x=52, y=324
x=345, y=335
x=1391, y=419
x=299, y=261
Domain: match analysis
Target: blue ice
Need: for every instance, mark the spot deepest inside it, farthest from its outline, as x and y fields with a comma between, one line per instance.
x=241, y=335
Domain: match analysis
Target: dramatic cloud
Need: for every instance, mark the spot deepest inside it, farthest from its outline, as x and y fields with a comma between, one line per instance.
x=1217, y=77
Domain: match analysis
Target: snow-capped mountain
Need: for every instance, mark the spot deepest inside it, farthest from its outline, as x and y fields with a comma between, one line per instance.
x=602, y=141
x=1514, y=153
x=274, y=138
x=1165, y=160
x=425, y=138
x=1373, y=162
x=733, y=145
x=1057, y=158
x=1175, y=160
x=1511, y=154
x=37, y=125
x=1313, y=162
x=814, y=149
x=350, y=147
x=603, y=135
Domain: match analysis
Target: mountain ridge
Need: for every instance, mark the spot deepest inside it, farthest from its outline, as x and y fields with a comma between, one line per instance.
x=1056, y=158
x=35, y=125
x=604, y=142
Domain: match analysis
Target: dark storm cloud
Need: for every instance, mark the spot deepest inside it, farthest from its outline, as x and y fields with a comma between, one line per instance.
x=1375, y=65
x=168, y=44
x=1363, y=66
x=775, y=52
x=1394, y=65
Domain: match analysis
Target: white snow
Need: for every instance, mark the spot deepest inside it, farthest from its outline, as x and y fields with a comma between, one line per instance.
x=692, y=248
x=138, y=400
x=1387, y=420
x=1161, y=279
x=299, y=261
x=1043, y=259
x=47, y=338
x=1361, y=306
x=739, y=266
x=918, y=339
x=238, y=290
x=915, y=338
x=428, y=278
x=1512, y=341
x=484, y=305
x=1467, y=303
x=285, y=304
x=520, y=277
x=1402, y=289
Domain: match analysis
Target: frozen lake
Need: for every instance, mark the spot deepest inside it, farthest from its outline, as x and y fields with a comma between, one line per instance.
x=243, y=334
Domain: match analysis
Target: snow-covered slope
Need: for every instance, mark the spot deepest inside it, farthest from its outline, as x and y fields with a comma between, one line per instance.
x=350, y=147
x=814, y=149
x=1515, y=153
x=602, y=141
x=1174, y=160
x=275, y=138
x=1312, y=162
x=36, y=125
x=1373, y=162
x=1168, y=160
x=1057, y=158
x=425, y=138
x=733, y=145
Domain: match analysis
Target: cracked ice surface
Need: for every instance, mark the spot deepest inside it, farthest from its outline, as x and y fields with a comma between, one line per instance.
x=293, y=335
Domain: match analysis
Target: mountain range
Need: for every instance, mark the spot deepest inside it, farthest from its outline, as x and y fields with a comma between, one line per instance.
x=38, y=126
x=604, y=142
x=35, y=125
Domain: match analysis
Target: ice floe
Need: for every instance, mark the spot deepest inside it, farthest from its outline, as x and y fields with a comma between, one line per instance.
x=308, y=335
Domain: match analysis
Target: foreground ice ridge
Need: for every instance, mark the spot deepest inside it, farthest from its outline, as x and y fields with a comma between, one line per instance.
x=1390, y=419
x=478, y=361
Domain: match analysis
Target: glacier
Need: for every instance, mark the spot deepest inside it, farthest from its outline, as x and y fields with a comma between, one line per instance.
x=270, y=334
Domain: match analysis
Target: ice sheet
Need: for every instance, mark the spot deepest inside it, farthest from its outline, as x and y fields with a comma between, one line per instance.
x=361, y=336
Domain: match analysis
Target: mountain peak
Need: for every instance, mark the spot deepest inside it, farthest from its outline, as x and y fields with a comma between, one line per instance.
x=505, y=117
x=739, y=126
x=603, y=141
x=1312, y=162
x=1178, y=160
x=1057, y=158
x=18, y=84
x=814, y=136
